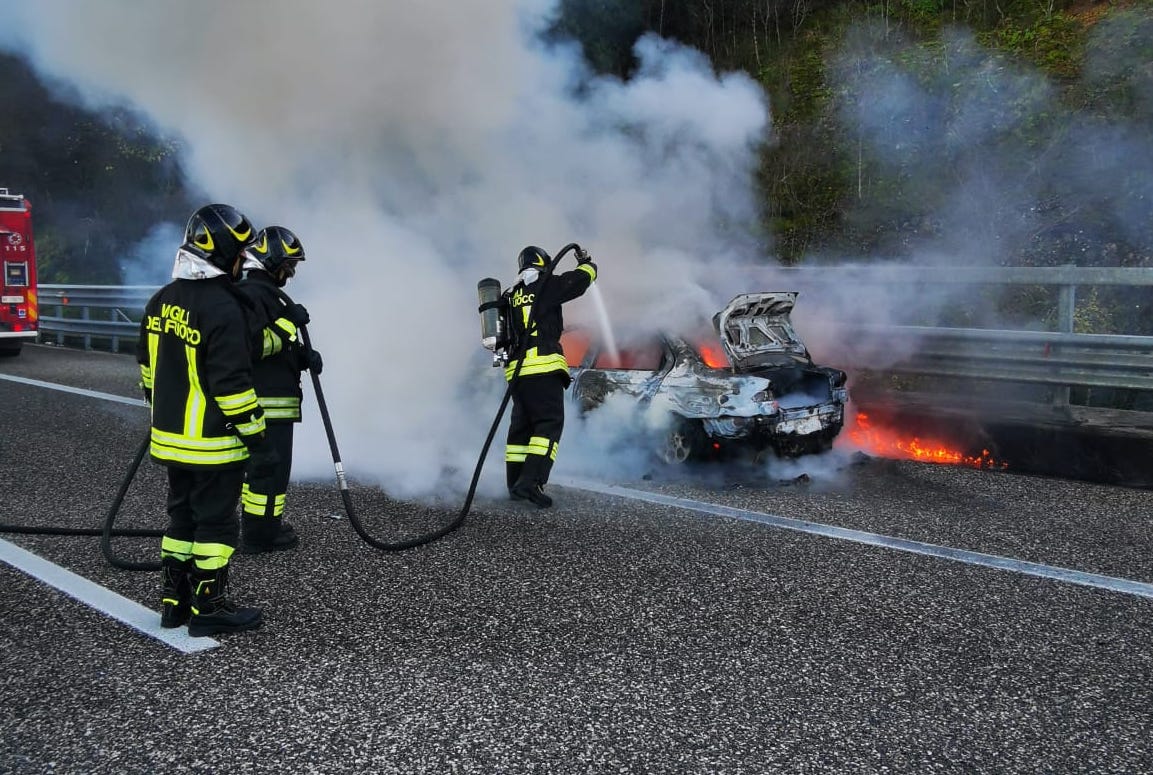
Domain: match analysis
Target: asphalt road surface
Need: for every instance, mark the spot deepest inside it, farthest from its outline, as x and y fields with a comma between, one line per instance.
x=896, y=617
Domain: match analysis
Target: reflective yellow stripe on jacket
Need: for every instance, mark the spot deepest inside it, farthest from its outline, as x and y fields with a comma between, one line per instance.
x=271, y=343
x=178, y=448
x=287, y=326
x=536, y=364
x=286, y=408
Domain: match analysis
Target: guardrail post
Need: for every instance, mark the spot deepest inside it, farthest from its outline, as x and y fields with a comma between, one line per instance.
x=87, y=337
x=115, y=338
x=1066, y=307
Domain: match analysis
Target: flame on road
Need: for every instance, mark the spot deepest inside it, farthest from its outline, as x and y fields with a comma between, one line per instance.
x=889, y=443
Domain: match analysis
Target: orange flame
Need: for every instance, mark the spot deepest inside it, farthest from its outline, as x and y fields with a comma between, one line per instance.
x=575, y=344
x=883, y=442
x=712, y=353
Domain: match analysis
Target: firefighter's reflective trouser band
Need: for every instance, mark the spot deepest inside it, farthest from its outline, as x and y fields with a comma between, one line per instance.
x=211, y=556
x=265, y=496
x=537, y=445
x=175, y=548
x=258, y=505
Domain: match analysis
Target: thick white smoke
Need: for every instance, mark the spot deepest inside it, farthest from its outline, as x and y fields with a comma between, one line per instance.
x=416, y=147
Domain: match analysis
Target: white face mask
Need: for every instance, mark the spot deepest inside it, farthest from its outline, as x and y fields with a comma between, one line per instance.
x=529, y=276
x=189, y=266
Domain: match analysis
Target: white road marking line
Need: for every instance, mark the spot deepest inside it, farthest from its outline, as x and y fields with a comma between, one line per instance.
x=102, y=599
x=76, y=390
x=1111, y=583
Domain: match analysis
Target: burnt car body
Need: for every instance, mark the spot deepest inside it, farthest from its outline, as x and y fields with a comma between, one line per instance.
x=748, y=383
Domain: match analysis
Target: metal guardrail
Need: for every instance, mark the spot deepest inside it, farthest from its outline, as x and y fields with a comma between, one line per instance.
x=1039, y=357
x=1059, y=358
x=88, y=312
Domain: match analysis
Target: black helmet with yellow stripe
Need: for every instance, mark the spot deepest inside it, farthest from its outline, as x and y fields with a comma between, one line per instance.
x=218, y=233
x=532, y=256
x=277, y=249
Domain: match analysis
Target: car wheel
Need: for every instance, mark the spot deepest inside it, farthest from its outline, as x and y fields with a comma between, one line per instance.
x=683, y=442
x=10, y=350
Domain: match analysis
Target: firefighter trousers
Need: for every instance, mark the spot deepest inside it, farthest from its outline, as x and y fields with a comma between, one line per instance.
x=535, y=427
x=265, y=496
x=202, y=520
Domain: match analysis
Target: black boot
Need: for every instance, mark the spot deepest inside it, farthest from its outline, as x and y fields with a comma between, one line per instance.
x=212, y=611
x=531, y=492
x=530, y=485
x=176, y=592
x=266, y=534
x=512, y=472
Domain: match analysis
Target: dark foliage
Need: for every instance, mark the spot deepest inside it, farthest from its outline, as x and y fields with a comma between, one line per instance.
x=97, y=182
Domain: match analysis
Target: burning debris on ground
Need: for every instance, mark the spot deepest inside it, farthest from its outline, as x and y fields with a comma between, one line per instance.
x=864, y=434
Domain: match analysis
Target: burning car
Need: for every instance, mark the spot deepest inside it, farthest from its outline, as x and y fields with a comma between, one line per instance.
x=750, y=383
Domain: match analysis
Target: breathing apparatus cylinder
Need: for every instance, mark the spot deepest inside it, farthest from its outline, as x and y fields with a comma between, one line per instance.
x=493, y=327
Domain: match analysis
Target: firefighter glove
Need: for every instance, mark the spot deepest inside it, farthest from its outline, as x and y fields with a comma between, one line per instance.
x=296, y=314
x=315, y=362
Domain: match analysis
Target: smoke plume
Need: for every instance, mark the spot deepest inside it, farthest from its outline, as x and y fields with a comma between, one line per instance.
x=416, y=147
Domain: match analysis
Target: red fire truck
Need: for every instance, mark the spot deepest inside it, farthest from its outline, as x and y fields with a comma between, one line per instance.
x=18, y=310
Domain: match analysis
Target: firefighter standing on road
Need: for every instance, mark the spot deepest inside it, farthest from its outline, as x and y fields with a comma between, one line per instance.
x=196, y=372
x=270, y=262
x=538, y=394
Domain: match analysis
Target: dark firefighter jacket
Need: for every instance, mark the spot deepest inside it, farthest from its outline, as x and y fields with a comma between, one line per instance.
x=276, y=372
x=195, y=361
x=541, y=345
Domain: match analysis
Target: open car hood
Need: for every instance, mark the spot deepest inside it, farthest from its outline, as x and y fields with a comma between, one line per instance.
x=754, y=325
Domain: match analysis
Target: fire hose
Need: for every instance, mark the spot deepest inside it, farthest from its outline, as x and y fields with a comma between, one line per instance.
x=107, y=532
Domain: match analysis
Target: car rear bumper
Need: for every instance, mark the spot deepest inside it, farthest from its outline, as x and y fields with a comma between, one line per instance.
x=796, y=423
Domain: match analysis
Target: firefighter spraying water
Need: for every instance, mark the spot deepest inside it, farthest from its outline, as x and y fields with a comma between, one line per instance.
x=522, y=326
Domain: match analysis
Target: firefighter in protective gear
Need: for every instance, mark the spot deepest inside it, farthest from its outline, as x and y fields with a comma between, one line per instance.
x=269, y=263
x=536, y=322
x=196, y=372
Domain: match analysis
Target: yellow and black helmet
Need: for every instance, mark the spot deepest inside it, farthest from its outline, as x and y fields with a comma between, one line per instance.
x=218, y=233
x=277, y=249
x=532, y=256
